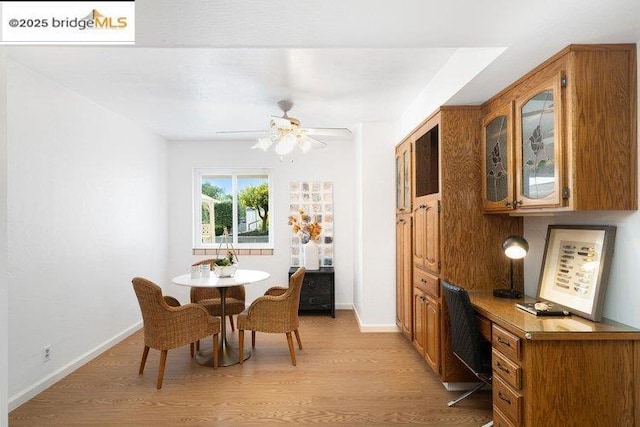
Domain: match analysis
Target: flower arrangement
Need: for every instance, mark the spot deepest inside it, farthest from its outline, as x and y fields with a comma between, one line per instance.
x=305, y=226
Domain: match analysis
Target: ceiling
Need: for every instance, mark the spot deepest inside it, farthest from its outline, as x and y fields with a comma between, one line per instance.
x=198, y=68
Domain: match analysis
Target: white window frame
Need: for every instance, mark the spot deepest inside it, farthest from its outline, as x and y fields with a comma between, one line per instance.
x=198, y=174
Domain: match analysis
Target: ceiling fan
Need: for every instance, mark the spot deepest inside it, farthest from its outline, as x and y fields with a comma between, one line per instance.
x=286, y=133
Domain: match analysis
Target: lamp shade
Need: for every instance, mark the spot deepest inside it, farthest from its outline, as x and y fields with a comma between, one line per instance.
x=515, y=247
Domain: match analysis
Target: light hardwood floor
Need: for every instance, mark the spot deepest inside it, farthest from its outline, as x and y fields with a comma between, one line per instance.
x=343, y=377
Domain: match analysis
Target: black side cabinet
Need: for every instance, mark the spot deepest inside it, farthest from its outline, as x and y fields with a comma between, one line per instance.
x=318, y=290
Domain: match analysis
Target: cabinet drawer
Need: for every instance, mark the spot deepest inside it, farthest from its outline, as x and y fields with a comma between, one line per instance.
x=316, y=283
x=484, y=325
x=505, y=342
x=500, y=420
x=315, y=290
x=425, y=281
x=308, y=300
x=506, y=369
x=508, y=401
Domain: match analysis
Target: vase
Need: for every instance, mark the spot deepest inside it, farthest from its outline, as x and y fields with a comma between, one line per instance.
x=311, y=255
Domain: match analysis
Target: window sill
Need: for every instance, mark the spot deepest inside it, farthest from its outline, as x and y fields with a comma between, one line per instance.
x=239, y=252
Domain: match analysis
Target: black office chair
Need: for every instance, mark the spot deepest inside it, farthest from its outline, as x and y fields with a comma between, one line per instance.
x=466, y=341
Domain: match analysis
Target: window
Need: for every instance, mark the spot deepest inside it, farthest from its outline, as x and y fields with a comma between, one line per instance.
x=238, y=200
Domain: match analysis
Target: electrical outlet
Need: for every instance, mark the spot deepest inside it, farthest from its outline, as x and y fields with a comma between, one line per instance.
x=46, y=353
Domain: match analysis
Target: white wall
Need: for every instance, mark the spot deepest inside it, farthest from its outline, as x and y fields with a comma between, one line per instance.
x=623, y=293
x=332, y=163
x=464, y=65
x=376, y=219
x=4, y=291
x=87, y=211
x=358, y=226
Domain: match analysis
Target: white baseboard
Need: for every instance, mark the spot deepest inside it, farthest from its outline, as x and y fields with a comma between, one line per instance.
x=374, y=328
x=25, y=395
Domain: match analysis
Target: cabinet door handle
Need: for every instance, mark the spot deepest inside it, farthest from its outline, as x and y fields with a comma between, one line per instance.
x=400, y=221
x=507, y=204
x=422, y=280
x=516, y=203
x=503, y=397
x=501, y=341
x=502, y=368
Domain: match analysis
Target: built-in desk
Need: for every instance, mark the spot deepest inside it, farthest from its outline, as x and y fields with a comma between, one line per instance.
x=559, y=371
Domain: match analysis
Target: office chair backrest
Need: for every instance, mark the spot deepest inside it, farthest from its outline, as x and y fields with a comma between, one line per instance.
x=466, y=341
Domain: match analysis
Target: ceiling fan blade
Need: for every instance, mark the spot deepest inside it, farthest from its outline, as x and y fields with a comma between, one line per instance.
x=308, y=143
x=326, y=131
x=247, y=132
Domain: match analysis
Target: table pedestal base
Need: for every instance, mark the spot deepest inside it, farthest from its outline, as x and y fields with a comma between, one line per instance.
x=227, y=356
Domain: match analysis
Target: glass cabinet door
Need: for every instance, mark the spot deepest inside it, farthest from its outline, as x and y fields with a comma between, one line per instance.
x=498, y=180
x=407, y=179
x=539, y=154
x=403, y=177
x=399, y=183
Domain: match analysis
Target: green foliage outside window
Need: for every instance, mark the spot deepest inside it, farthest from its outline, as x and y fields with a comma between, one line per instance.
x=257, y=197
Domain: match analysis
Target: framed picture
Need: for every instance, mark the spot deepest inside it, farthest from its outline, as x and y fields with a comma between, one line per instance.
x=575, y=267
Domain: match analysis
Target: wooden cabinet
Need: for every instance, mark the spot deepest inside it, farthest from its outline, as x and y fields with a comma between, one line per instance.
x=403, y=177
x=426, y=248
x=589, y=369
x=507, y=374
x=404, y=285
x=318, y=290
x=498, y=183
x=563, y=138
x=432, y=340
x=452, y=239
x=426, y=318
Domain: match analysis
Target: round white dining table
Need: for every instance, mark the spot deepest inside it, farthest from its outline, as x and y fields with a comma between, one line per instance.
x=227, y=355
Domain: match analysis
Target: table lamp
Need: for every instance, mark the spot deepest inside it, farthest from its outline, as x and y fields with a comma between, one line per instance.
x=514, y=247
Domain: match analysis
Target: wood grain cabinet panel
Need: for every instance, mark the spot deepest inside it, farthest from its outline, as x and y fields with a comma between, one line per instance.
x=404, y=277
x=452, y=238
x=564, y=136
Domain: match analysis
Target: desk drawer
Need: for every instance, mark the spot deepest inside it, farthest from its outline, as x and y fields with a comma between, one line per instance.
x=506, y=369
x=505, y=342
x=500, y=420
x=485, y=327
x=508, y=401
x=425, y=281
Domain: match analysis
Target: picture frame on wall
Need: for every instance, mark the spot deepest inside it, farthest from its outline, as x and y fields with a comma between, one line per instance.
x=575, y=267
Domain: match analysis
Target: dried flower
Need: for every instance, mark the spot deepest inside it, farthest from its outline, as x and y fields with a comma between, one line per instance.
x=308, y=228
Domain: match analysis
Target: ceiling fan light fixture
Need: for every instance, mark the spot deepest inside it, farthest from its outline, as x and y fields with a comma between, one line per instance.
x=285, y=133
x=263, y=143
x=286, y=144
x=305, y=145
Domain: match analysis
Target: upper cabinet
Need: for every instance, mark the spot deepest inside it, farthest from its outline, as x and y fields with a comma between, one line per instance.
x=563, y=138
x=403, y=177
x=427, y=161
x=498, y=181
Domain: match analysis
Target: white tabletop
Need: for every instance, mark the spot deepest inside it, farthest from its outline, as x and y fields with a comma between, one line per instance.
x=241, y=277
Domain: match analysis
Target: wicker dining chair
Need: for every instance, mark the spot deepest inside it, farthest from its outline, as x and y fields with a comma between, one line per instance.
x=168, y=325
x=209, y=298
x=275, y=312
